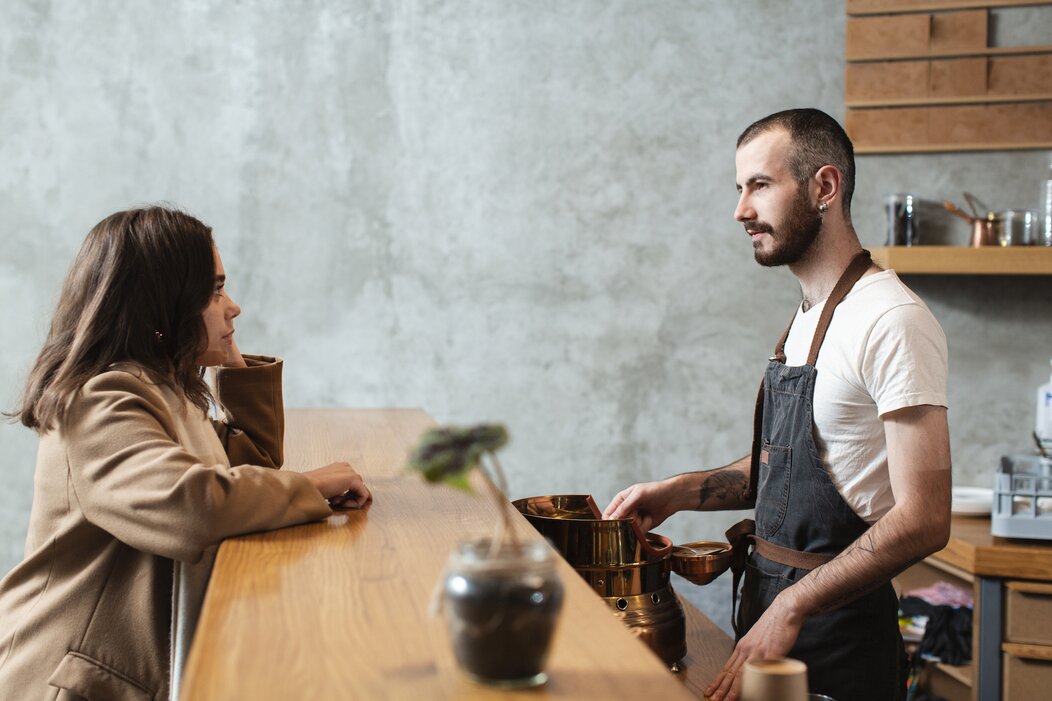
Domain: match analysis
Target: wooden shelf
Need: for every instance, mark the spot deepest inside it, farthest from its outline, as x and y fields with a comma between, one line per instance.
x=959, y=672
x=921, y=77
x=861, y=8
x=952, y=148
x=962, y=100
x=951, y=53
x=965, y=260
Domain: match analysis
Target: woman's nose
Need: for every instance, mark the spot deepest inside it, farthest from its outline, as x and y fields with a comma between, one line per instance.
x=233, y=310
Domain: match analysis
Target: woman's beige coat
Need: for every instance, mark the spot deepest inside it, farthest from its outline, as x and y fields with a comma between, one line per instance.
x=134, y=481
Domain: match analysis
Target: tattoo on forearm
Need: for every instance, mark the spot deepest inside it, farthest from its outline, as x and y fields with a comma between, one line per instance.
x=863, y=547
x=723, y=487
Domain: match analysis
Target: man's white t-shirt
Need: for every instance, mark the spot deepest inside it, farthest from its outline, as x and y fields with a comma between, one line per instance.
x=883, y=351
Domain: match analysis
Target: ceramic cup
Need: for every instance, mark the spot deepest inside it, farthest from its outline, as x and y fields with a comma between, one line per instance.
x=780, y=678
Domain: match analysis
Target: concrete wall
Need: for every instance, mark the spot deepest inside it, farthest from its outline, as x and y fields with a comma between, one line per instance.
x=516, y=211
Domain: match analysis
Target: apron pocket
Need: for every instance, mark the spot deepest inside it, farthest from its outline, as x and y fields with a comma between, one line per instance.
x=95, y=681
x=772, y=494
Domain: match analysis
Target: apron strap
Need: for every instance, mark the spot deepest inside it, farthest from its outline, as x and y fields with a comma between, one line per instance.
x=854, y=271
x=858, y=267
x=738, y=536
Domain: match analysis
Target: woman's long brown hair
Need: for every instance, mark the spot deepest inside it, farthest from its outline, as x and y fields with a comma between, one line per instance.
x=135, y=292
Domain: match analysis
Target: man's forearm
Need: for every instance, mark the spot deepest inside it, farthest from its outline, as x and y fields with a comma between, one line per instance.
x=720, y=489
x=890, y=546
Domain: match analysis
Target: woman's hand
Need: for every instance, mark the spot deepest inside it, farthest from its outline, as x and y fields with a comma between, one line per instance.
x=341, y=485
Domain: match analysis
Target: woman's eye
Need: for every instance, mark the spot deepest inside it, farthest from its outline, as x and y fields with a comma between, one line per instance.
x=218, y=291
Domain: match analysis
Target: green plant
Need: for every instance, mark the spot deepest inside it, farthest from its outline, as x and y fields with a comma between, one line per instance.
x=448, y=454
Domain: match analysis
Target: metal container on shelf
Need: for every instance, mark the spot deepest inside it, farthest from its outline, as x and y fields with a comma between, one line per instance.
x=629, y=569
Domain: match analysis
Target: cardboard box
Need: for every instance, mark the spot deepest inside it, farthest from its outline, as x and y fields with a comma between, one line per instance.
x=1026, y=678
x=1028, y=613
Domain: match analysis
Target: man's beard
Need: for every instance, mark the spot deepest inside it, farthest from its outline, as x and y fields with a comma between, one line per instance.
x=797, y=233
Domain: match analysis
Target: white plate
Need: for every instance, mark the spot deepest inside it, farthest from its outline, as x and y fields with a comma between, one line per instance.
x=972, y=501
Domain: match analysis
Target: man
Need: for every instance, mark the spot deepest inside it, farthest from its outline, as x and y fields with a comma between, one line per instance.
x=850, y=472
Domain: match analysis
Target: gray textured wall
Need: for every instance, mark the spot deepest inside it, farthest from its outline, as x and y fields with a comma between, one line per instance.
x=516, y=210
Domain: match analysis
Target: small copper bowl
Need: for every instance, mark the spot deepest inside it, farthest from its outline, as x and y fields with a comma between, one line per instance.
x=701, y=562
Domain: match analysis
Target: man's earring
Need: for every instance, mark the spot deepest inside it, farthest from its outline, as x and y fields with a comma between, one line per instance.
x=822, y=207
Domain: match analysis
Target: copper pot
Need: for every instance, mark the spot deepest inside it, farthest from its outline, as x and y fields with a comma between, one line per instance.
x=629, y=569
x=986, y=231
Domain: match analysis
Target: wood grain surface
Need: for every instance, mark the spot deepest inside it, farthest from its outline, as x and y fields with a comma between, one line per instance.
x=339, y=609
x=973, y=549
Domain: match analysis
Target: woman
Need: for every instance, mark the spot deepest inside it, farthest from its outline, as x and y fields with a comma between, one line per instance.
x=134, y=486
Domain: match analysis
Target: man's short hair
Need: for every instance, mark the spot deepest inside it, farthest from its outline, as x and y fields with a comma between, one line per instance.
x=816, y=140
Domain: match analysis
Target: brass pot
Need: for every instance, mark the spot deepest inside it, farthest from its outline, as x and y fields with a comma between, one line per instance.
x=629, y=569
x=575, y=526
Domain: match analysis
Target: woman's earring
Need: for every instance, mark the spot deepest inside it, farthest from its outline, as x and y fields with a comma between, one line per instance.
x=158, y=336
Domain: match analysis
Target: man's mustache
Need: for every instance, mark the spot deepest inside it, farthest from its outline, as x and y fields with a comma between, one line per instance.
x=757, y=226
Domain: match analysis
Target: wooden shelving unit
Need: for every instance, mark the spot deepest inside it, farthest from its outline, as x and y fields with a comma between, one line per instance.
x=965, y=260
x=880, y=7
x=922, y=77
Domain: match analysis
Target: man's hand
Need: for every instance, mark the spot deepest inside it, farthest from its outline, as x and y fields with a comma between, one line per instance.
x=649, y=502
x=773, y=635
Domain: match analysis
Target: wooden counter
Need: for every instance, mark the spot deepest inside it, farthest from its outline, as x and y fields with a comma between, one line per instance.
x=339, y=609
x=973, y=549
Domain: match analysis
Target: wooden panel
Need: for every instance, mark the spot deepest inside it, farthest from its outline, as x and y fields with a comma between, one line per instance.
x=900, y=126
x=958, y=31
x=1030, y=587
x=887, y=79
x=1020, y=75
x=957, y=77
x=339, y=609
x=1005, y=123
x=888, y=36
x=1032, y=652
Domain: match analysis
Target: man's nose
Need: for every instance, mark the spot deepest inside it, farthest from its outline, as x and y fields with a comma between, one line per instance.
x=744, y=211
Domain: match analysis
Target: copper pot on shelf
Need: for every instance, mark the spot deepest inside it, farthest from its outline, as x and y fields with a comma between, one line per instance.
x=986, y=230
x=629, y=569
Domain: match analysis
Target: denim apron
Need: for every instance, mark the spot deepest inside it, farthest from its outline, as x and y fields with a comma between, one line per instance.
x=854, y=653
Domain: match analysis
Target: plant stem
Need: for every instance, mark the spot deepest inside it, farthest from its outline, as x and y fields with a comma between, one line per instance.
x=504, y=526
